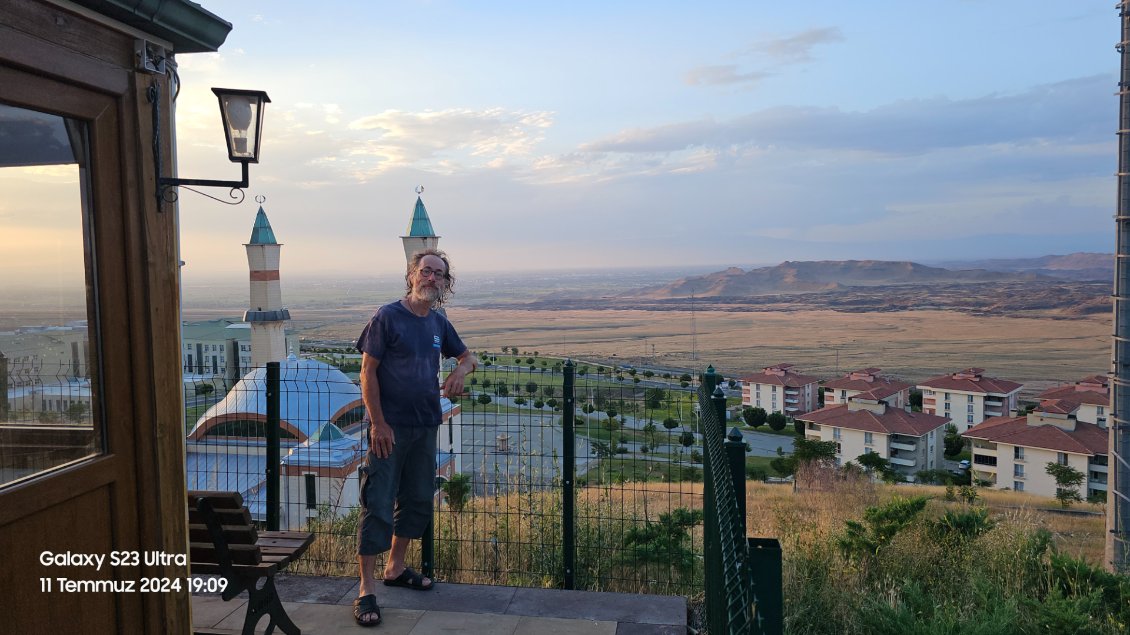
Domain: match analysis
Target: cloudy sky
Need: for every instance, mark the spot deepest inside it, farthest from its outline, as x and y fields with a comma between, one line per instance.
x=624, y=134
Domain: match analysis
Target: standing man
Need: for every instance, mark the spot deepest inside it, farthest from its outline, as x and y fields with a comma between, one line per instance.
x=400, y=354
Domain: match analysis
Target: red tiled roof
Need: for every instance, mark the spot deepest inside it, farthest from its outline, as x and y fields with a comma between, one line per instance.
x=787, y=378
x=1089, y=390
x=879, y=387
x=971, y=380
x=892, y=421
x=1087, y=438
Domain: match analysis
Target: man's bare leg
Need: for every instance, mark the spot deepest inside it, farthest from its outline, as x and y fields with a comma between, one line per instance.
x=395, y=565
x=368, y=582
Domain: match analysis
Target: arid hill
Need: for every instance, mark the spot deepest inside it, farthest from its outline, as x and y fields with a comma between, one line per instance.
x=1076, y=266
x=821, y=276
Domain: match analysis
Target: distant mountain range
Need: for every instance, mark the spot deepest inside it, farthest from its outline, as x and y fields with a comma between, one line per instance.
x=841, y=275
x=1077, y=266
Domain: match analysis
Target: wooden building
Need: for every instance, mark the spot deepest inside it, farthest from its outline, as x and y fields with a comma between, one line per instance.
x=106, y=482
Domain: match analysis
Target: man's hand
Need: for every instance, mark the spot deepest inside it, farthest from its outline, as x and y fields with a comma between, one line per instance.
x=381, y=439
x=453, y=385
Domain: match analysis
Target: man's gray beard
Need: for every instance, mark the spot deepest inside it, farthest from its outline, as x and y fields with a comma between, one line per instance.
x=426, y=294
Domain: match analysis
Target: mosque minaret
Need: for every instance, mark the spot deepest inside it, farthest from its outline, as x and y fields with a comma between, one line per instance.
x=266, y=312
x=420, y=236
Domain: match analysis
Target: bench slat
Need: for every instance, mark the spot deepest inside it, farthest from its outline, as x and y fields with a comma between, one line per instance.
x=232, y=517
x=261, y=570
x=240, y=554
x=219, y=500
x=234, y=534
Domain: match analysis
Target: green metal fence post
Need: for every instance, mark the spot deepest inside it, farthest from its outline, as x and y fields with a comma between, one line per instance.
x=568, y=476
x=274, y=420
x=735, y=454
x=765, y=571
x=713, y=584
x=3, y=387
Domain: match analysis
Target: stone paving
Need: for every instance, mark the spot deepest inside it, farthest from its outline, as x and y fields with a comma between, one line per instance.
x=321, y=605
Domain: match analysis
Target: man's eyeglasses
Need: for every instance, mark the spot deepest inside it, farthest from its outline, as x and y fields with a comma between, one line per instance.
x=428, y=272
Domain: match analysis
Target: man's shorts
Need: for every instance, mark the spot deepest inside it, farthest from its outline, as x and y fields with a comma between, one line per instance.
x=397, y=492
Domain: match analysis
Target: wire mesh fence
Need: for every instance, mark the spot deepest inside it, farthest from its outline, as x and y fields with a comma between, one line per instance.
x=48, y=400
x=596, y=488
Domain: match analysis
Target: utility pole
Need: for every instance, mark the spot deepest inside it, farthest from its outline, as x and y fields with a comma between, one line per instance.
x=1118, y=449
x=694, y=331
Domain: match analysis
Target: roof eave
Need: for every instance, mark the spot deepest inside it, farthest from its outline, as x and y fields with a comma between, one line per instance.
x=188, y=26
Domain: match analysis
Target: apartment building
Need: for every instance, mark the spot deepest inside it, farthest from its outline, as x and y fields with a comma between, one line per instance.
x=221, y=348
x=871, y=384
x=780, y=389
x=1091, y=393
x=968, y=397
x=911, y=441
x=1013, y=452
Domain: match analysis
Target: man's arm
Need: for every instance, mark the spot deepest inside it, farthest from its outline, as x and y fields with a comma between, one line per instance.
x=380, y=433
x=453, y=385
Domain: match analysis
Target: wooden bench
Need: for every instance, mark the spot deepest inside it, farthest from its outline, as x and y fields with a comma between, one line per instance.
x=223, y=540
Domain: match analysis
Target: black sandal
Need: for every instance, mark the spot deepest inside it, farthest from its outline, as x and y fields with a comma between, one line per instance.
x=366, y=605
x=410, y=579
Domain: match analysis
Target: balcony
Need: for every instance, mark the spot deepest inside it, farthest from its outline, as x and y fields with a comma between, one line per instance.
x=1094, y=467
x=902, y=445
x=985, y=460
x=792, y=400
x=897, y=460
x=813, y=427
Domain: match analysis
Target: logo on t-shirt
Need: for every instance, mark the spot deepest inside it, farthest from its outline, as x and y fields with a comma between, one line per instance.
x=435, y=341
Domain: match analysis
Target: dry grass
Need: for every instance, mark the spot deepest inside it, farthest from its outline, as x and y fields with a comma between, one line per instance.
x=526, y=529
x=912, y=345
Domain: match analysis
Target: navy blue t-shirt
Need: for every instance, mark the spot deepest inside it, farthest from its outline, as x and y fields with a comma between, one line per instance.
x=408, y=347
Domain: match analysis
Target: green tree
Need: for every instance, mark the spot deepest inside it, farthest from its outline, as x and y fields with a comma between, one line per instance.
x=503, y=390
x=649, y=432
x=548, y=391
x=953, y=441
x=1067, y=482
x=458, y=491
x=77, y=411
x=880, y=525
x=670, y=423
x=754, y=417
x=531, y=387
x=798, y=427
x=685, y=377
x=666, y=543
x=916, y=400
x=538, y=403
x=776, y=421
x=205, y=389
x=872, y=463
x=654, y=397
x=484, y=398
x=686, y=438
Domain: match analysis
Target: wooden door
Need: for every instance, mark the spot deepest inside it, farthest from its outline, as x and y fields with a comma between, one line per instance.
x=69, y=447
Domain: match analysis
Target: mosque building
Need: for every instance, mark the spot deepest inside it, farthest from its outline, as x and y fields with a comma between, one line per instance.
x=323, y=440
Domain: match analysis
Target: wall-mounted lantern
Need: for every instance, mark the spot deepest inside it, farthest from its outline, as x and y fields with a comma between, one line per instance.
x=242, y=114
